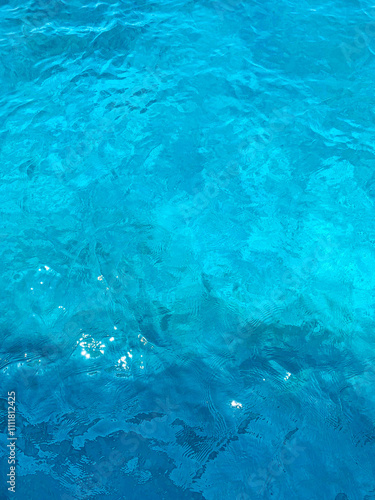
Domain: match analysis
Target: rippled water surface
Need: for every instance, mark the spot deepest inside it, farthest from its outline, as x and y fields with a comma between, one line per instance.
x=188, y=249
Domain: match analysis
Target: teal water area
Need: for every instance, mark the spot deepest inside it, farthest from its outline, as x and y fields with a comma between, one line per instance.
x=188, y=249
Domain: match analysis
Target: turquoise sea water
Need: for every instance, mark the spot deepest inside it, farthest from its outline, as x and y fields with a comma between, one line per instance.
x=188, y=249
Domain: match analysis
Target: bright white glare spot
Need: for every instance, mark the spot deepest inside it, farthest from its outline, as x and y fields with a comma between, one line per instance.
x=235, y=404
x=288, y=374
x=87, y=356
x=115, y=327
x=25, y=354
x=41, y=282
x=39, y=269
x=31, y=288
x=101, y=351
x=83, y=353
x=264, y=380
x=112, y=339
x=130, y=354
x=100, y=278
x=46, y=268
x=123, y=363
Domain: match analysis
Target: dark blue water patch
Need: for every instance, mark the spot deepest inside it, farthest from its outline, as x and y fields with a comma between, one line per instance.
x=112, y=433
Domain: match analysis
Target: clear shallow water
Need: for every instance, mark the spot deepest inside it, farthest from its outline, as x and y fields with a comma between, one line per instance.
x=188, y=235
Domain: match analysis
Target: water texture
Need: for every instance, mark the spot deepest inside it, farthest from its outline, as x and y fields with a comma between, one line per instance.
x=188, y=248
